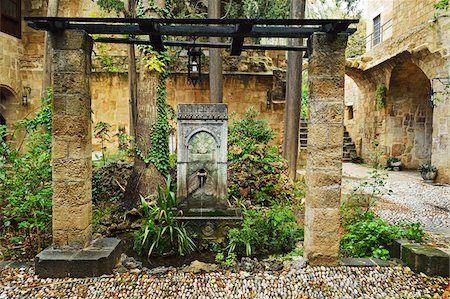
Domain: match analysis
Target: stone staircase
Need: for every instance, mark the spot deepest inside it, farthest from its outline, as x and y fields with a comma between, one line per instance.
x=349, y=147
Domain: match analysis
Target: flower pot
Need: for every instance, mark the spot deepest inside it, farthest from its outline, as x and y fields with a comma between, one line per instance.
x=428, y=176
x=396, y=165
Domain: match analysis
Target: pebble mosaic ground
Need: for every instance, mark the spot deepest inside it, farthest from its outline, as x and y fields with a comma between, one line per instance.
x=310, y=282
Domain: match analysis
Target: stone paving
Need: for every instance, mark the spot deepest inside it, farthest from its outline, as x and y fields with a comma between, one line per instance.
x=411, y=201
x=309, y=282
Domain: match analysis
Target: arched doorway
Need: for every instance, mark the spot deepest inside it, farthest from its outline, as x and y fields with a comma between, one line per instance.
x=8, y=107
x=409, y=116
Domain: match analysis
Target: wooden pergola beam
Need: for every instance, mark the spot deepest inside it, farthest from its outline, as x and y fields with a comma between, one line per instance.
x=199, y=44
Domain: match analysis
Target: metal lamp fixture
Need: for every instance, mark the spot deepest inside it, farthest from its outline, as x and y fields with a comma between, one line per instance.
x=25, y=94
x=194, y=65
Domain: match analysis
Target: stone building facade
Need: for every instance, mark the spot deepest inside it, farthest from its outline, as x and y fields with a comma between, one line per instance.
x=407, y=60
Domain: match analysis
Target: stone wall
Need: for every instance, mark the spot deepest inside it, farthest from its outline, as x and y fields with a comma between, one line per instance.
x=241, y=91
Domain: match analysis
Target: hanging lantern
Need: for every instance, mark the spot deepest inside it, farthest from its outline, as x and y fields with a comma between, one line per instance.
x=194, y=65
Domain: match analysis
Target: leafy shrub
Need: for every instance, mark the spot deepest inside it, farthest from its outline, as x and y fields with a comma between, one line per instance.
x=162, y=234
x=256, y=171
x=25, y=181
x=109, y=181
x=370, y=236
x=263, y=232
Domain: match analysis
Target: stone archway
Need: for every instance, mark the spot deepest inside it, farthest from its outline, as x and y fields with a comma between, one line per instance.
x=409, y=115
x=8, y=106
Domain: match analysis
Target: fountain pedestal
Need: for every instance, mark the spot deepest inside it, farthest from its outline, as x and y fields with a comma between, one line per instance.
x=202, y=169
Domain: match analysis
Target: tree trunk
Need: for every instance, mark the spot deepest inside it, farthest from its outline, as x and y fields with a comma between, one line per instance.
x=130, y=6
x=145, y=178
x=52, y=11
x=293, y=95
x=215, y=59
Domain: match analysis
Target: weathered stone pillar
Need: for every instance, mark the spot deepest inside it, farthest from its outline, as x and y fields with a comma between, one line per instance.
x=72, y=139
x=325, y=140
x=72, y=253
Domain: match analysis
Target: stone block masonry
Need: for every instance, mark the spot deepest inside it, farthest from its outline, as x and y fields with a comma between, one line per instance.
x=72, y=146
x=325, y=141
x=73, y=252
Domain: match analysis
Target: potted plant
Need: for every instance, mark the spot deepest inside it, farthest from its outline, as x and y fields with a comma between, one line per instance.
x=394, y=163
x=428, y=172
x=357, y=160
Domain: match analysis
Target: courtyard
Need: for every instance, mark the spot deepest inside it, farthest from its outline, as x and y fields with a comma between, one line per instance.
x=248, y=149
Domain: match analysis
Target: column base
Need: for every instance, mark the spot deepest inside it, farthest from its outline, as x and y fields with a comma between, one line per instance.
x=97, y=259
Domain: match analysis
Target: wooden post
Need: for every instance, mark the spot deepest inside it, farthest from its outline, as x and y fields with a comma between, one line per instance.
x=215, y=59
x=293, y=95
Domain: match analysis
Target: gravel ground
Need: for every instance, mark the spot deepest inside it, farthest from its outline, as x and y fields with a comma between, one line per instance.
x=310, y=282
x=411, y=201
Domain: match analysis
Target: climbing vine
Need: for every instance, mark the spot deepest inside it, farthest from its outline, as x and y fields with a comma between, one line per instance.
x=158, y=154
x=380, y=94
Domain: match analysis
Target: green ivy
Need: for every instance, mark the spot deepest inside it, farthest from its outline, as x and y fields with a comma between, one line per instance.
x=380, y=94
x=158, y=154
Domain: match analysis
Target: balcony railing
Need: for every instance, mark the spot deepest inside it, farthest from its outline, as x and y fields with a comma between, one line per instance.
x=379, y=36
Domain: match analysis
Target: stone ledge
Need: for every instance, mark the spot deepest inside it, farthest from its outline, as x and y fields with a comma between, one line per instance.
x=421, y=258
x=365, y=262
x=97, y=259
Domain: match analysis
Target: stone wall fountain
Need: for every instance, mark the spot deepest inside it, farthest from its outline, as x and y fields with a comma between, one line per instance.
x=202, y=169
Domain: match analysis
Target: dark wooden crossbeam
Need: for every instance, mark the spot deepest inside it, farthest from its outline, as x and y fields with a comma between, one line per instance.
x=280, y=22
x=194, y=27
x=238, y=42
x=200, y=44
x=156, y=38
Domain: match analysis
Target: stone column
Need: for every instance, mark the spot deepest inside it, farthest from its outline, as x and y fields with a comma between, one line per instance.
x=72, y=140
x=325, y=140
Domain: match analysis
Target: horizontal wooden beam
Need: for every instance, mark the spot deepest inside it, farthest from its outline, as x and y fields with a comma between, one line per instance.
x=237, y=29
x=186, y=44
x=280, y=22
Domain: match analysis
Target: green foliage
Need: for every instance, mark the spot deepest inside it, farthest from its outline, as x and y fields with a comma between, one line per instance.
x=25, y=181
x=101, y=131
x=425, y=168
x=356, y=45
x=116, y=6
x=162, y=234
x=357, y=159
x=257, y=9
x=256, y=171
x=380, y=95
x=305, y=96
x=442, y=5
x=109, y=181
x=158, y=154
x=264, y=232
x=392, y=160
x=370, y=236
